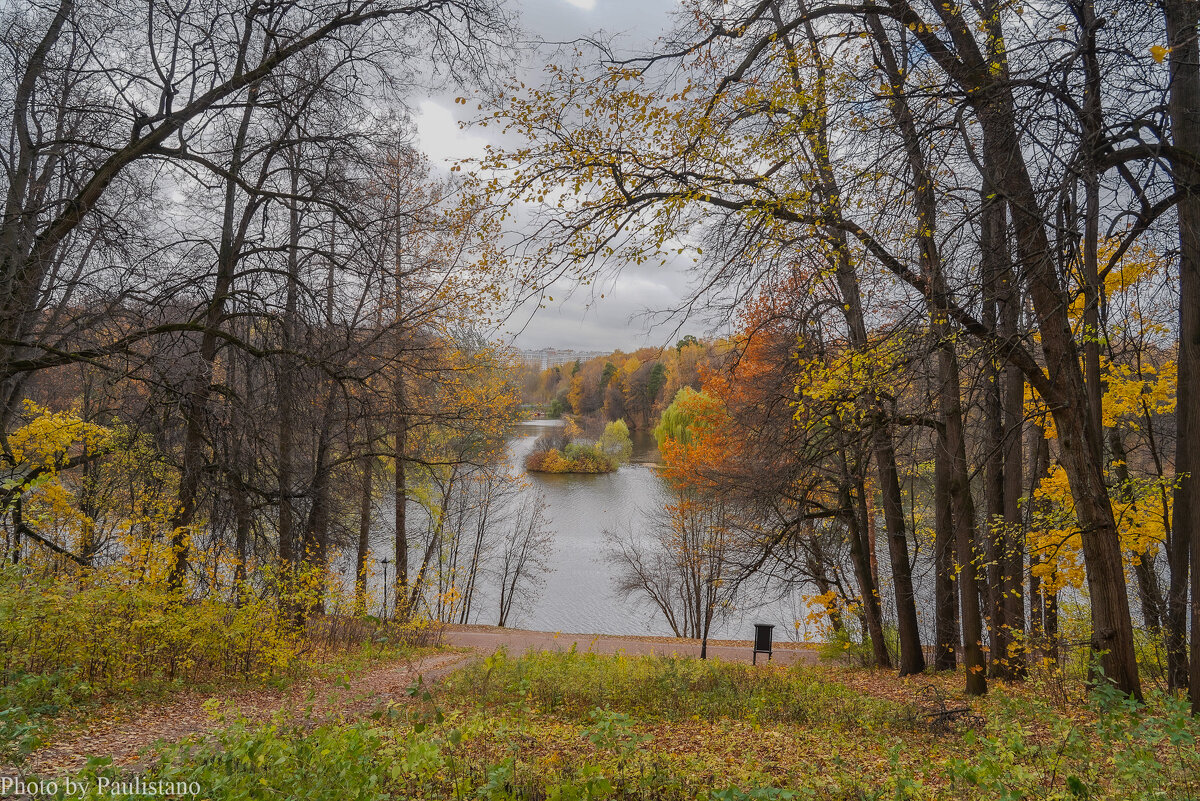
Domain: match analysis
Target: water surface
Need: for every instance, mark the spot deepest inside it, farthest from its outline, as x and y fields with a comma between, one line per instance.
x=578, y=594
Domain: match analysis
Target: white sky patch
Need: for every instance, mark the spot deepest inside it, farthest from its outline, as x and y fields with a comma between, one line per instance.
x=608, y=315
x=643, y=289
x=586, y=5
x=440, y=138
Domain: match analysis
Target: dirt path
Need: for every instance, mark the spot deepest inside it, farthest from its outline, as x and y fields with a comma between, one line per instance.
x=487, y=639
x=125, y=736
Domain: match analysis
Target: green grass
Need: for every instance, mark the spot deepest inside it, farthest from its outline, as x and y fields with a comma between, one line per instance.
x=28, y=702
x=668, y=688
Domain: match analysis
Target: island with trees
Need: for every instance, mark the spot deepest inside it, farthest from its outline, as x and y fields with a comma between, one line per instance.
x=569, y=452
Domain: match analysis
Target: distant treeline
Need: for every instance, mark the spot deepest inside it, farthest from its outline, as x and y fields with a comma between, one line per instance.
x=635, y=387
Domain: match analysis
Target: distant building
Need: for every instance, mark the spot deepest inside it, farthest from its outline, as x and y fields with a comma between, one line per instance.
x=546, y=358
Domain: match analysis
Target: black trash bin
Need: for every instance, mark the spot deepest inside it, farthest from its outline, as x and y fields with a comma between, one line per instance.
x=764, y=633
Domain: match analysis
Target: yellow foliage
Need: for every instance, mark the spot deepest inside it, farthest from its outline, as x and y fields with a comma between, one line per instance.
x=852, y=382
x=124, y=498
x=114, y=629
x=50, y=437
x=1140, y=506
x=1132, y=393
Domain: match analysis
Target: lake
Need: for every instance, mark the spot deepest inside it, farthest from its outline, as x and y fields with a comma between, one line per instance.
x=578, y=594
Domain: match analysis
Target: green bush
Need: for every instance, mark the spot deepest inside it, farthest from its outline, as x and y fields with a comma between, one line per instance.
x=27, y=701
x=277, y=761
x=589, y=458
x=574, y=458
x=615, y=443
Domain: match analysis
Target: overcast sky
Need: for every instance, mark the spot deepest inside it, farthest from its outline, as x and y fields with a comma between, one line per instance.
x=581, y=320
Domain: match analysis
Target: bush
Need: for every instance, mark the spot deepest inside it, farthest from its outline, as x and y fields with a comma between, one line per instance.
x=588, y=459
x=106, y=631
x=26, y=701
x=111, y=631
x=615, y=443
x=282, y=760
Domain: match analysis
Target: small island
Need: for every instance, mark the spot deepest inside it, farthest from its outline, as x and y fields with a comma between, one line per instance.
x=566, y=453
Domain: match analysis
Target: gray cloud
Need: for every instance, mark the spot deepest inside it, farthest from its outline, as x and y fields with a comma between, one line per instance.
x=624, y=311
x=625, y=317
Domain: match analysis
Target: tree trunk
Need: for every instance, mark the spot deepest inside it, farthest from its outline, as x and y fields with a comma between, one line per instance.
x=1012, y=554
x=867, y=585
x=912, y=656
x=401, y=500
x=1005, y=462
x=945, y=603
x=963, y=513
x=198, y=394
x=364, y=544
x=242, y=521
x=1184, y=105
x=1082, y=455
x=1042, y=628
x=283, y=383
x=991, y=229
x=983, y=78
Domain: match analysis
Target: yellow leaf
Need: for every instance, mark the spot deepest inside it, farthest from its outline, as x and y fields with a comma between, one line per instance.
x=1159, y=52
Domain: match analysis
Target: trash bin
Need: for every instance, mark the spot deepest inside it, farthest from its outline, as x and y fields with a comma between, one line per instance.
x=764, y=633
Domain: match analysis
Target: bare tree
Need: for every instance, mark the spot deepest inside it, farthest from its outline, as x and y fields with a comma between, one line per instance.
x=685, y=568
x=523, y=557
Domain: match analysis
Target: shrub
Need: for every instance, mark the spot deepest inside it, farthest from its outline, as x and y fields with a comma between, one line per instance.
x=107, y=631
x=588, y=459
x=536, y=461
x=615, y=443
x=112, y=631
x=282, y=760
x=26, y=700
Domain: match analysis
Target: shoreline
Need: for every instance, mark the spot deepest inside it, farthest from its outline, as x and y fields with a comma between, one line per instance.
x=481, y=628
